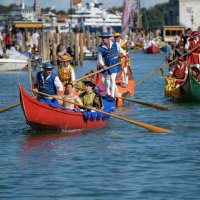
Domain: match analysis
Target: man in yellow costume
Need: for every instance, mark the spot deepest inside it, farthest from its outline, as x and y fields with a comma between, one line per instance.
x=65, y=70
x=124, y=45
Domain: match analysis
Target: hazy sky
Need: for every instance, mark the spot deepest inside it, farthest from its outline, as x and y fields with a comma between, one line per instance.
x=65, y=4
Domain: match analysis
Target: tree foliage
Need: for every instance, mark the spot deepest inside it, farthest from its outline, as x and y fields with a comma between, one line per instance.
x=155, y=16
x=8, y=9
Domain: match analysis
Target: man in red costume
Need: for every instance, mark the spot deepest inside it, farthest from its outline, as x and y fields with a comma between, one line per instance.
x=179, y=72
x=194, y=56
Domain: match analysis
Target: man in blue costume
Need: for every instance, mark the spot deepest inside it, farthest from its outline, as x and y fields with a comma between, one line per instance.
x=48, y=82
x=108, y=52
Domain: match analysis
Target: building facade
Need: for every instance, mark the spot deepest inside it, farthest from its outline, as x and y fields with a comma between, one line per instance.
x=185, y=13
x=37, y=8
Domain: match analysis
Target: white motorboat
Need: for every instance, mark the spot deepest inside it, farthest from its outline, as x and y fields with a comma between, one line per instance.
x=15, y=61
x=9, y=64
x=93, y=17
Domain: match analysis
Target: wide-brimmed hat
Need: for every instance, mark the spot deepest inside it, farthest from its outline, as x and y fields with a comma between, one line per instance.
x=117, y=35
x=47, y=66
x=66, y=57
x=105, y=35
x=194, y=33
x=89, y=83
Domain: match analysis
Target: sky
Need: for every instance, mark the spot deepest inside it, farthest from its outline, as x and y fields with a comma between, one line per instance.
x=65, y=4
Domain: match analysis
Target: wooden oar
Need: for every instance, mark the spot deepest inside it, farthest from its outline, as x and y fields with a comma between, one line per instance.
x=79, y=79
x=146, y=126
x=10, y=107
x=154, y=72
x=159, y=107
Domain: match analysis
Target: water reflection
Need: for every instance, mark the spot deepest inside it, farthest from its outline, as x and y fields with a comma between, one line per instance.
x=44, y=138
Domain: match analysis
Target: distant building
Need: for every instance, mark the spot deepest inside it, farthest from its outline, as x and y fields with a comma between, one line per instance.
x=185, y=13
x=37, y=8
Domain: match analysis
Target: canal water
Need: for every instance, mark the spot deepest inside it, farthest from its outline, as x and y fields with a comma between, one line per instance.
x=121, y=161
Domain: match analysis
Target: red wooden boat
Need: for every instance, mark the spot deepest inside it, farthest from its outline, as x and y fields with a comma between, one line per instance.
x=42, y=116
x=125, y=91
x=153, y=49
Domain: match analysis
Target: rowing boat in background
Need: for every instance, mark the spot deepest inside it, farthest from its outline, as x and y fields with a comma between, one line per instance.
x=153, y=49
x=190, y=91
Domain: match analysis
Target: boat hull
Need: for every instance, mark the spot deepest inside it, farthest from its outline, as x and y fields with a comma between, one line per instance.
x=190, y=91
x=125, y=91
x=41, y=116
x=7, y=64
x=152, y=49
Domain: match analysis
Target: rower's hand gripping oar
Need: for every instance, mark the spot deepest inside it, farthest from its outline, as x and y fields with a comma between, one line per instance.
x=91, y=74
x=146, y=126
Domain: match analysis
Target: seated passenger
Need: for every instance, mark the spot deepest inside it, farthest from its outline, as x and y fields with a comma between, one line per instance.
x=195, y=73
x=89, y=98
x=80, y=85
x=70, y=95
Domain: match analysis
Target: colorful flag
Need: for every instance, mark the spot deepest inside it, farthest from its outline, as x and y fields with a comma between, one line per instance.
x=126, y=15
x=77, y=2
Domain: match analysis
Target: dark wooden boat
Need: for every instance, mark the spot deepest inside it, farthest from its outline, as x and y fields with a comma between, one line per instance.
x=190, y=91
x=42, y=116
x=153, y=49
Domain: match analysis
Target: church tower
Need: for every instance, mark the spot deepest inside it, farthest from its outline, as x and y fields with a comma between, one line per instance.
x=37, y=8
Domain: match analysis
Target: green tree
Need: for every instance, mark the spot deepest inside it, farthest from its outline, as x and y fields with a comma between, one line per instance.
x=155, y=16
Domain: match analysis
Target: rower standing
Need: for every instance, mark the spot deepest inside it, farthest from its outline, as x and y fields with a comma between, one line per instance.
x=194, y=56
x=107, y=56
x=124, y=45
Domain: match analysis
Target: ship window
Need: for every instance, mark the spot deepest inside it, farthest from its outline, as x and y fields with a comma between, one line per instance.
x=168, y=33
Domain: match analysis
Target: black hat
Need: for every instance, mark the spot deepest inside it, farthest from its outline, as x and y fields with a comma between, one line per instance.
x=47, y=66
x=89, y=83
x=105, y=35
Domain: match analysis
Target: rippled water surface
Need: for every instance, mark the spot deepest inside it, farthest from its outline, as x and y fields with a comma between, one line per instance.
x=121, y=161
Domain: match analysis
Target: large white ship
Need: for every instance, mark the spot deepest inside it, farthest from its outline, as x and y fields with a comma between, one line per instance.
x=93, y=17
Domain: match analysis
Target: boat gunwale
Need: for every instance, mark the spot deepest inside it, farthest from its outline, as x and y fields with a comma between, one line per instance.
x=45, y=106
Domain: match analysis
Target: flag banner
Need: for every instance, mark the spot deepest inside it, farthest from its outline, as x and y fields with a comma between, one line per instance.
x=126, y=15
x=77, y=2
